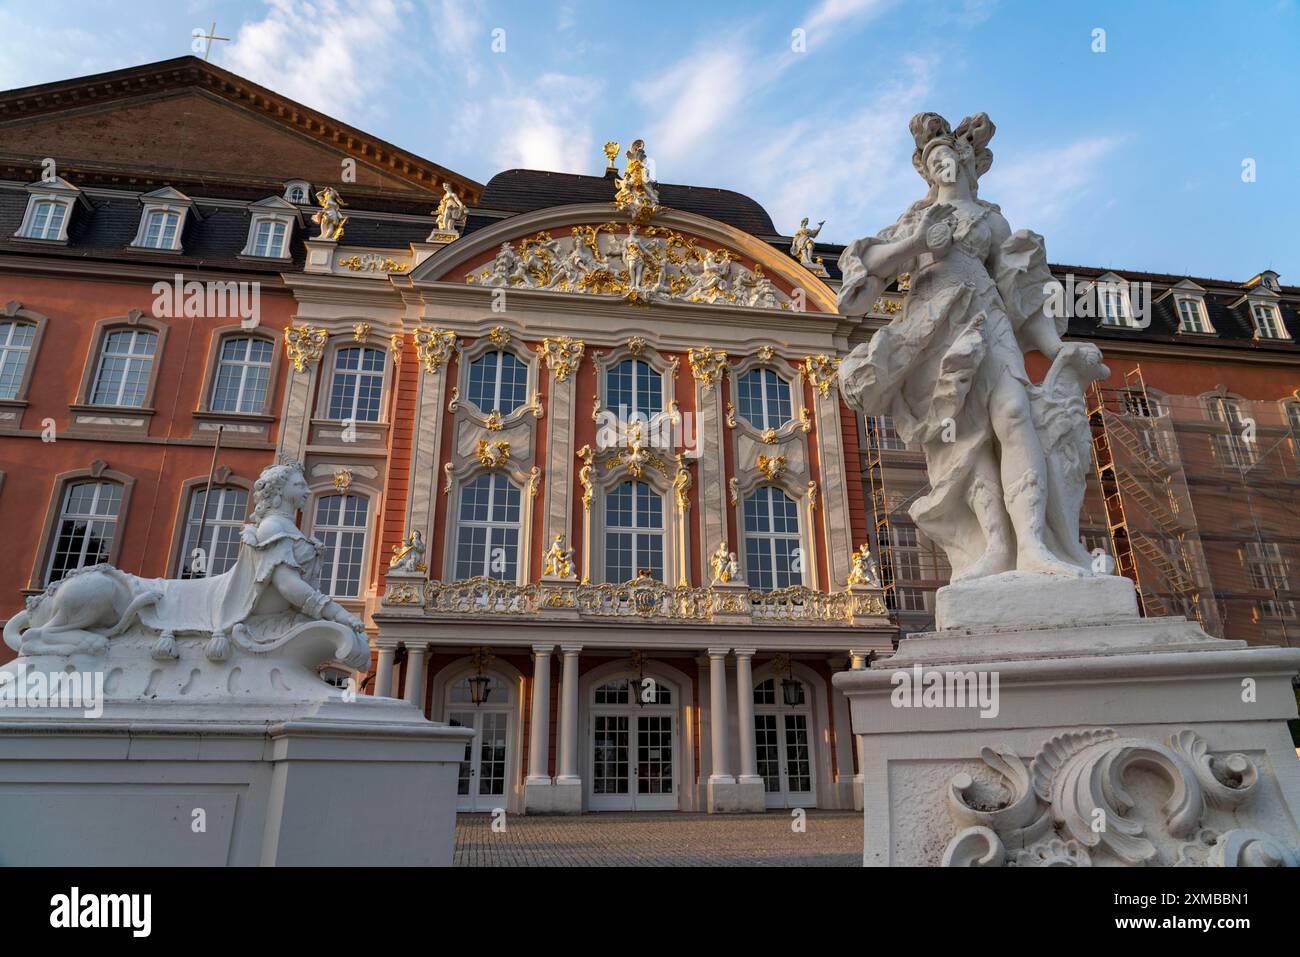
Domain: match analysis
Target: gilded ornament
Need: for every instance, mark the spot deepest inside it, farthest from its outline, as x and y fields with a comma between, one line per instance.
x=769, y=437
x=765, y=353
x=330, y=216
x=636, y=345
x=682, y=483
x=805, y=420
x=812, y=494
x=731, y=415
x=864, y=570
x=637, y=195
x=453, y=405
x=588, y=456
x=773, y=466
x=558, y=560
x=492, y=455
x=534, y=480
x=342, y=479
x=433, y=346
x=610, y=150
x=409, y=555
x=563, y=355
x=535, y=406
x=446, y=485
x=500, y=336
x=395, y=347
x=493, y=421
x=304, y=345
x=733, y=486
x=361, y=332
x=822, y=371
x=708, y=366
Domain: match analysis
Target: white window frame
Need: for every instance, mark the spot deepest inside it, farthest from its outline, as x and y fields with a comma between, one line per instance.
x=771, y=537
x=763, y=390
x=272, y=211
x=211, y=522
x=162, y=201
x=63, y=515
x=495, y=405
x=132, y=358
x=1197, y=304
x=296, y=184
x=1113, y=289
x=244, y=366
x=1273, y=316
x=319, y=531
x=663, y=531
x=633, y=412
x=58, y=192
x=16, y=353
x=334, y=372
x=489, y=524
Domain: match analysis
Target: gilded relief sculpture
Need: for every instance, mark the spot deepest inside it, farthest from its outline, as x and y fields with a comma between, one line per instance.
x=1006, y=458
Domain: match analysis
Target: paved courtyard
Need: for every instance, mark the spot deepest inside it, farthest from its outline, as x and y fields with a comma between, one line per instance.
x=831, y=839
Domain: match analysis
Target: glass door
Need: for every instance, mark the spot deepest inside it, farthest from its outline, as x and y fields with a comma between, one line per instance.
x=481, y=784
x=783, y=747
x=633, y=750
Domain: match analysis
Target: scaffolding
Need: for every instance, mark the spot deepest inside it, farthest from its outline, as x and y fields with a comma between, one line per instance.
x=1195, y=498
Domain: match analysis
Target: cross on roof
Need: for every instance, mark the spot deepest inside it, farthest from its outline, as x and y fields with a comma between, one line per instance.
x=198, y=35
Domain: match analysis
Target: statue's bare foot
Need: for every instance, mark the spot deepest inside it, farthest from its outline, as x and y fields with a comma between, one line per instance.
x=1039, y=559
x=994, y=561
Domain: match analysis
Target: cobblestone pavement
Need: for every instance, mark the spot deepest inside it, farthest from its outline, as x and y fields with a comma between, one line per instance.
x=832, y=839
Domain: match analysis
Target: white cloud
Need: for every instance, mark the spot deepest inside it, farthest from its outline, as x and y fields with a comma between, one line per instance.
x=328, y=54
x=1040, y=186
x=691, y=98
x=829, y=15
x=546, y=128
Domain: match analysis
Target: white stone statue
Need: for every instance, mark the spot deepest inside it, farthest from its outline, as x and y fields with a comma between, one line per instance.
x=409, y=556
x=1006, y=458
x=638, y=194
x=451, y=212
x=330, y=216
x=801, y=246
x=269, y=591
x=725, y=566
x=558, y=560
x=865, y=571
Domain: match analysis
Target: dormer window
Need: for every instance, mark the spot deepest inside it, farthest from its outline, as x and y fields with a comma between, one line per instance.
x=1113, y=306
x=271, y=223
x=1192, y=316
x=298, y=192
x=49, y=211
x=1268, y=321
x=162, y=223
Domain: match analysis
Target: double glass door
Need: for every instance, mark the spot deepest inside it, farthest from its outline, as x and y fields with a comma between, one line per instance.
x=482, y=782
x=633, y=748
x=783, y=746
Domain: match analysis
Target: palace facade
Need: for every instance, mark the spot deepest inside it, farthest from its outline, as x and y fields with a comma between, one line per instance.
x=576, y=443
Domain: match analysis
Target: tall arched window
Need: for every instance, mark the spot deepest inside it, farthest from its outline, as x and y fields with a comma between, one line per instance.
x=634, y=532
x=340, y=525
x=125, y=364
x=634, y=388
x=487, y=537
x=87, y=526
x=243, y=372
x=773, y=554
x=498, y=382
x=358, y=384
x=221, y=522
x=15, y=352
x=764, y=399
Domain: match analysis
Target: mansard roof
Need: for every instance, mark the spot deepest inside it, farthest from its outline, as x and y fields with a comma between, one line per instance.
x=524, y=190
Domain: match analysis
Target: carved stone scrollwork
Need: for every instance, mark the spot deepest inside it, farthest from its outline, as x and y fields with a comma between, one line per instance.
x=304, y=345
x=433, y=347
x=708, y=366
x=563, y=355
x=822, y=372
x=1072, y=803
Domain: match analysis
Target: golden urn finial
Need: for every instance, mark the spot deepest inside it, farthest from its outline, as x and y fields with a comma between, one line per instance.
x=611, y=153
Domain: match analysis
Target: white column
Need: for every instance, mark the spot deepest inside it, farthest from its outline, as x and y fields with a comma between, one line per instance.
x=745, y=715
x=858, y=661
x=384, y=673
x=415, y=673
x=718, y=716
x=539, y=739
x=569, y=717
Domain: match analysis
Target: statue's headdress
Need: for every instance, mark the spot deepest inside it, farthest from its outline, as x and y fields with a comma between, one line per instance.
x=969, y=141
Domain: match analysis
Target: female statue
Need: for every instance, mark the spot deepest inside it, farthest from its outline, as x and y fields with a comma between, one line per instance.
x=1006, y=459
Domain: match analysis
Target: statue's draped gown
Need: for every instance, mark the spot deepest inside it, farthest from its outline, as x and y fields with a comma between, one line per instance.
x=933, y=368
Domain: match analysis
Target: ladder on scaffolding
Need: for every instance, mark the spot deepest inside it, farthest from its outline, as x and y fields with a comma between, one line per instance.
x=880, y=514
x=1117, y=482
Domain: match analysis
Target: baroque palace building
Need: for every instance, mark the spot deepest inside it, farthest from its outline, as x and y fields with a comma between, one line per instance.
x=576, y=444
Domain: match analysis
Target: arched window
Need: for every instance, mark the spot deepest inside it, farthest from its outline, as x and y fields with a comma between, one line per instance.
x=773, y=557
x=358, y=384
x=340, y=525
x=15, y=352
x=160, y=229
x=764, y=399
x=243, y=372
x=498, y=382
x=487, y=538
x=268, y=239
x=634, y=532
x=125, y=365
x=47, y=219
x=221, y=522
x=87, y=525
x=634, y=388
x=632, y=691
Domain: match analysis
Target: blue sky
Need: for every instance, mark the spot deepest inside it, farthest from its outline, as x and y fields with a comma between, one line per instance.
x=1128, y=158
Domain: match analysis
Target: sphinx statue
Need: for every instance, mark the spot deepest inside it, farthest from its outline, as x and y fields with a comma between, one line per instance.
x=260, y=604
x=1006, y=458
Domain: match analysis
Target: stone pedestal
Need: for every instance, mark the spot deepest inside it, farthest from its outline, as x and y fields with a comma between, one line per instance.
x=246, y=762
x=1112, y=743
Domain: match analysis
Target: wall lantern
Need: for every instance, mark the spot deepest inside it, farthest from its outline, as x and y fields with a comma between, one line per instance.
x=479, y=683
x=791, y=690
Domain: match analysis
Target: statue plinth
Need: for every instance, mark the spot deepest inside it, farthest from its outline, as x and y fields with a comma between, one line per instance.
x=1018, y=600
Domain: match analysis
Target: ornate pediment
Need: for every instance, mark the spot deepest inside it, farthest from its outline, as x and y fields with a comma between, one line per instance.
x=642, y=265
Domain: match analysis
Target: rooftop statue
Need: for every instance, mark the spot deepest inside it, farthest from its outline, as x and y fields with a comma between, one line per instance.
x=330, y=216
x=801, y=246
x=1007, y=459
x=638, y=194
x=451, y=212
x=260, y=603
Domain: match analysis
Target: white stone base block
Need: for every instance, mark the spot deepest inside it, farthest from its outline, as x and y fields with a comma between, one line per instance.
x=543, y=796
x=363, y=783
x=1018, y=600
x=723, y=795
x=567, y=797
x=749, y=793
x=1116, y=744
